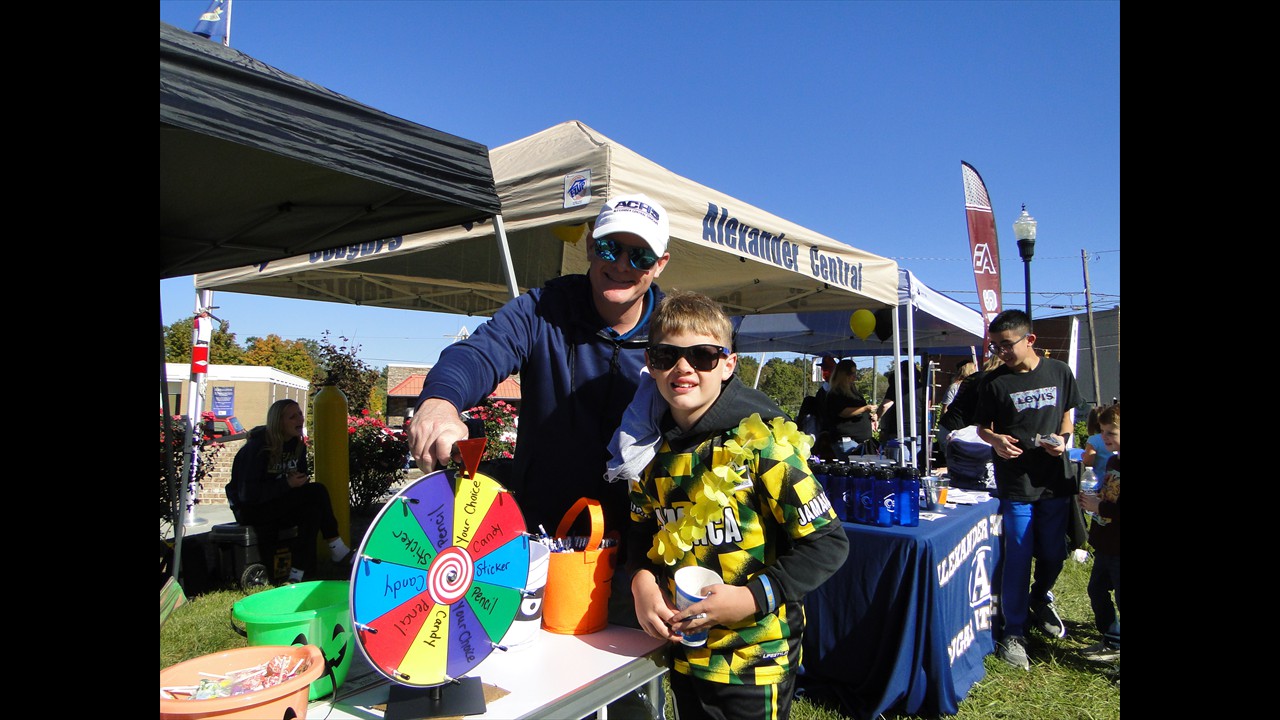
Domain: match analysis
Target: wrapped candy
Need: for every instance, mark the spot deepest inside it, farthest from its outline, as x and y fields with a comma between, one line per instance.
x=246, y=680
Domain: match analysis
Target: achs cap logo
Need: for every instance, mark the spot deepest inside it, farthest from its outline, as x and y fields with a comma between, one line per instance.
x=639, y=207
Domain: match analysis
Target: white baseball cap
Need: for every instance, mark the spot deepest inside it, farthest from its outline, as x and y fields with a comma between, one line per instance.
x=638, y=214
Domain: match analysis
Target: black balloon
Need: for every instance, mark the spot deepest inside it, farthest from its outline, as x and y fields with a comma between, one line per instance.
x=884, y=323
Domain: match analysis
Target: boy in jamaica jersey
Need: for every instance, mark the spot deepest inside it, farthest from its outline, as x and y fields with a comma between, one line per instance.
x=729, y=489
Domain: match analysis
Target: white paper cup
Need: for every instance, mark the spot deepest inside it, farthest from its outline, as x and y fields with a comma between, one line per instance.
x=524, y=629
x=690, y=582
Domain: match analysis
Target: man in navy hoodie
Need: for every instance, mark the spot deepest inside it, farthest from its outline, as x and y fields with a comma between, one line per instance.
x=578, y=343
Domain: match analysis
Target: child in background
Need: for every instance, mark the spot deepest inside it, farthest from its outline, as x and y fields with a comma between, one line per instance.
x=1104, y=536
x=726, y=491
x=1096, y=453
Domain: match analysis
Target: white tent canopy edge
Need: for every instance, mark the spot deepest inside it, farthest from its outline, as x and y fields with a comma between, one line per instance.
x=551, y=185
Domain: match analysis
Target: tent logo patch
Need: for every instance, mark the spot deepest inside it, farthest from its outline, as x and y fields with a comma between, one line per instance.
x=577, y=188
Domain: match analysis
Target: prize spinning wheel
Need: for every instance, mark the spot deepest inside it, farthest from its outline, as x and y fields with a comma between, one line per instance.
x=440, y=577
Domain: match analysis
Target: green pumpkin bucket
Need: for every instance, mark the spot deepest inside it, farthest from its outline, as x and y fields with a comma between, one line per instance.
x=310, y=613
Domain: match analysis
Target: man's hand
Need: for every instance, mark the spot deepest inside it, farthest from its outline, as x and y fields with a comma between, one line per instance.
x=436, y=427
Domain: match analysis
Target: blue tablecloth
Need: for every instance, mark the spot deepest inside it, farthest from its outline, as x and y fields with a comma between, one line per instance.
x=906, y=622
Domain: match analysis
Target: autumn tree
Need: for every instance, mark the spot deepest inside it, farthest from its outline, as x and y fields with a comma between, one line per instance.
x=297, y=357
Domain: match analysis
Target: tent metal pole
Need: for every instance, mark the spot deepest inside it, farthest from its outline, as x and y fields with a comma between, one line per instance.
x=170, y=472
x=911, y=389
x=504, y=250
x=897, y=382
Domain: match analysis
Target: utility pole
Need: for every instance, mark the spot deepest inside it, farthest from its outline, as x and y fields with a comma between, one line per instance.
x=1093, y=334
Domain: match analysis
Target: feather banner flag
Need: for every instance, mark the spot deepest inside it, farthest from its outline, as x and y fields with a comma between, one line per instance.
x=983, y=247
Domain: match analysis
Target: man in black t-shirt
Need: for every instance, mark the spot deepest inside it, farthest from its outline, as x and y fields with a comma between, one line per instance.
x=1024, y=412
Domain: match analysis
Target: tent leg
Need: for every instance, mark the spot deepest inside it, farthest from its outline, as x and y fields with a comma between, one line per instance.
x=504, y=250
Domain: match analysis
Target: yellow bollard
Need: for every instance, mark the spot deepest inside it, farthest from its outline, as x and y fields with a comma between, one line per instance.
x=333, y=453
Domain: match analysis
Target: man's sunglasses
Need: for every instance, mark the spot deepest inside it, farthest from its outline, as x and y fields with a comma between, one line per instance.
x=703, y=358
x=642, y=258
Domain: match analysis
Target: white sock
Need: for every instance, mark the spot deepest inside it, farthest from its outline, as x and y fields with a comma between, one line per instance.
x=295, y=574
x=338, y=549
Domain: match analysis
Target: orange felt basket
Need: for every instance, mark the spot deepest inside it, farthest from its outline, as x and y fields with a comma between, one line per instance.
x=576, y=599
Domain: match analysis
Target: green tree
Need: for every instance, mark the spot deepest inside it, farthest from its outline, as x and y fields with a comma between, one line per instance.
x=783, y=381
x=223, y=348
x=746, y=370
x=291, y=356
x=871, y=385
x=352, y=375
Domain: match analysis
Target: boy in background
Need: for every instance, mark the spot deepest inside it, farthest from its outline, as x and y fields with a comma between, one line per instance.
x=727, y=492
x=1024, y=412
x=1104, y=536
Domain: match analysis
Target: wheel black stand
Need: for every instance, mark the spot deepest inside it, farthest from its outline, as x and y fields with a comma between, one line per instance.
x=462, y=697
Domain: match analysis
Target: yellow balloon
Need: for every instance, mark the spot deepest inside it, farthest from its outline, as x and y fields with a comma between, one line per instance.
x=571, y=234
x=862, y=323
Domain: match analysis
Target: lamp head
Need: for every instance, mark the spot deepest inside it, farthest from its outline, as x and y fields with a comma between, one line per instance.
x=1024, y=229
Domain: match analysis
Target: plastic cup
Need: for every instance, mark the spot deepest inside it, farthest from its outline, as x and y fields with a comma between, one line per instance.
x=690, y=582
x=942, y=485
x=930, y=493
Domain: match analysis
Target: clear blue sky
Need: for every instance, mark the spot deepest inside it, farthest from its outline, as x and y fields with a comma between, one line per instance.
x=849, y=118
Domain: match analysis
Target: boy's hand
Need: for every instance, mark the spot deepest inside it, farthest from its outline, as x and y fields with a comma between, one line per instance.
x=723, y=605
x=1006, y=446
x=1088, y=502
x=652, y=606
x=1053, y=444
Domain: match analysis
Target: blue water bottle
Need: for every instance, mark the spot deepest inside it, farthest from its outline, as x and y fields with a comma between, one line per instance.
x=884, y=496
x=858, y=492
x=907, y=508
x=837, y=483
x=819, y=470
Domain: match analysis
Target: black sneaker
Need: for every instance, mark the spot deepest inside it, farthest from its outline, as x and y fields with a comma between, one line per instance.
x=1101, y=652
x=1014, y=651
x=1045, y=618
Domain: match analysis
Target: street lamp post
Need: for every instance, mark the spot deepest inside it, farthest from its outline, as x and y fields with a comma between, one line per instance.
x=1024, y=228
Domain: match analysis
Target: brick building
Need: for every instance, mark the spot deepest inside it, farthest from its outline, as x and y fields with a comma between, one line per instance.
x=404, y=384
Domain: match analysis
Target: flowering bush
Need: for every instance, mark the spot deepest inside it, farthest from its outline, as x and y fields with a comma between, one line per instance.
x=377, y=459
x=499, y=419
x=176, y=442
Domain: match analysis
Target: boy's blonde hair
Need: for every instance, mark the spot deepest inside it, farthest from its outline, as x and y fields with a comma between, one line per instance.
x=684, y=312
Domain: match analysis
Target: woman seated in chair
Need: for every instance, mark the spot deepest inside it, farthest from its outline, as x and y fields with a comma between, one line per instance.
x=848, y=416
x=270, y=485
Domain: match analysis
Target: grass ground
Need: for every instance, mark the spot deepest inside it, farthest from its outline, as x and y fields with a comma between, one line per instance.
x=1060, y=685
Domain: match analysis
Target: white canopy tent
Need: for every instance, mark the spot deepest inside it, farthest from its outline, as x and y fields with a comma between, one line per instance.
x=938, y=324
x=934, y=322
x=551, y=185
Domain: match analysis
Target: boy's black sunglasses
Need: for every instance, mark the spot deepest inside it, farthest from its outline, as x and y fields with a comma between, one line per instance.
x=703, y=358
x=642, y=258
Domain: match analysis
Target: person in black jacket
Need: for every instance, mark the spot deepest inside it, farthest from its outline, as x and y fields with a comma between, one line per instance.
x=847, y=415
x=270, y=485
x=888, y=410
